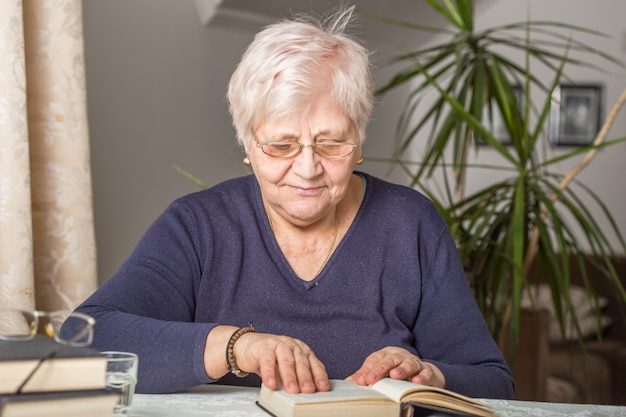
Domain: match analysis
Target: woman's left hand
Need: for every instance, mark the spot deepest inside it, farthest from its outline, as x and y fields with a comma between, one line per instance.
x=398, y=363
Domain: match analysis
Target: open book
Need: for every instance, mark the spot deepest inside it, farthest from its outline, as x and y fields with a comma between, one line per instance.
x=387, y=397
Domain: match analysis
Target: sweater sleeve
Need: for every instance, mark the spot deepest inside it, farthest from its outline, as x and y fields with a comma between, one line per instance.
x=451, y=332
x=148, y=305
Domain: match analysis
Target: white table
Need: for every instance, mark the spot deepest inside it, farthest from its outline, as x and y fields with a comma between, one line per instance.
x=226, y=401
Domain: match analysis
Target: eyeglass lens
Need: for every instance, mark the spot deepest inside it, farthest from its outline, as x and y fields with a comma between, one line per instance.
x=75, y=330
x=64, y=327
x=291, y=149
x=17, y=324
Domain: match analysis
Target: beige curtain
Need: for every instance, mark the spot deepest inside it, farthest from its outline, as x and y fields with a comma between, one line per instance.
x=47, y=244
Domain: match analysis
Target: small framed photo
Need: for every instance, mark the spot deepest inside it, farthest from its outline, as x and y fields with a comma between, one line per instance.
x=495, y=124
x=575, y=114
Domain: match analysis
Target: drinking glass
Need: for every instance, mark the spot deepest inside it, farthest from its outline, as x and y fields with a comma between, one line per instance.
x=122, y=376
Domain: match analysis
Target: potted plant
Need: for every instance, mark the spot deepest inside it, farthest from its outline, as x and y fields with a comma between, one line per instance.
x=517, y=221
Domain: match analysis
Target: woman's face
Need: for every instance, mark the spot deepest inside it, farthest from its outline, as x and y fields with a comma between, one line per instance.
x=304, y=188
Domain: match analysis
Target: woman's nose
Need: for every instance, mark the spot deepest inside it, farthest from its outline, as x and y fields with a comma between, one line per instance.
x=306, y=163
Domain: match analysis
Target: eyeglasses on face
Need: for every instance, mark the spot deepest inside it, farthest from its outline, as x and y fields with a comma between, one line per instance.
x=331, y=150
x=68, y=328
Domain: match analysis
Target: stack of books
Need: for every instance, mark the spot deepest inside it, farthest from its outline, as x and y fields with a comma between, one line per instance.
x=71, y=383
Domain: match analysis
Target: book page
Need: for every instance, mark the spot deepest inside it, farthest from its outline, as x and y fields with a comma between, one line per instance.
x=397, y=389
x=341, y=390
x=13, y=374
x=404, y=391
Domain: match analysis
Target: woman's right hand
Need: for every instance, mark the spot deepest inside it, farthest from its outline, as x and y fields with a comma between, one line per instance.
x=276, y=359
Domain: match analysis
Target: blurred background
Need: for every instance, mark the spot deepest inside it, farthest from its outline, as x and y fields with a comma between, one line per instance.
x=157, y=72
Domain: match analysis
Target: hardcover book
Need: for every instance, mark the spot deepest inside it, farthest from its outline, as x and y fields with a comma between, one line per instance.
x=92, y=403
x=73, y=368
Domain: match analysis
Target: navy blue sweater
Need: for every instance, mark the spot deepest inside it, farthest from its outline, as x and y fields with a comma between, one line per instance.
x=211, y=258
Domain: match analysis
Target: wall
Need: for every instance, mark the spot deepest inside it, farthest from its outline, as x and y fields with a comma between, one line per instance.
x=602, y=174
x=156, y=80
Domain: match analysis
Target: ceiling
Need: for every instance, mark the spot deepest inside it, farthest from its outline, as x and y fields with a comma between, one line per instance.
x=257, y=13
x=285, y=8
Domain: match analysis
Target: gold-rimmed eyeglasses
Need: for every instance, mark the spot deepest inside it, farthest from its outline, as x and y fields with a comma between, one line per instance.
x=67, y=328
x=331, y=150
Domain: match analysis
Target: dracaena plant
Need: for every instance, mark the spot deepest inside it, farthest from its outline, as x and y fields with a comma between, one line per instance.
x=531, y=215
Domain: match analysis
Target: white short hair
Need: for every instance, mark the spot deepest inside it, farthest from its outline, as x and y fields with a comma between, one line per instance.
x=292, y=63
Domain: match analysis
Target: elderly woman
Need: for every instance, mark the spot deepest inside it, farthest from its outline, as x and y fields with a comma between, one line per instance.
x=306, y=270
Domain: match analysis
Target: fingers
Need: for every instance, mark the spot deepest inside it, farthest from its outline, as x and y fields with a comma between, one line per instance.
x=283, y=360
x=267, y=370
x=300, y=370
x=430, y=375
x=390, y=361
x=407, y=368
x=294, y=368
x=424, y=377
x=397, y=363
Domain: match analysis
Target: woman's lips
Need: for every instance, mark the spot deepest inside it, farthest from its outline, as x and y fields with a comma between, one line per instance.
x=308, y=191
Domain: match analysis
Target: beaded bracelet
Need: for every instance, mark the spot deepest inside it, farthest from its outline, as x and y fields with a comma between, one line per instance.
x=231, y=361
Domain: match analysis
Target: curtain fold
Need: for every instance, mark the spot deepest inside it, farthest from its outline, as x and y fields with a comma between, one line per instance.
x=47, y=239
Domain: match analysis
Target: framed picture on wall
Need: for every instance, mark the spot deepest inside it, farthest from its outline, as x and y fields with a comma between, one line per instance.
x=575, y=114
